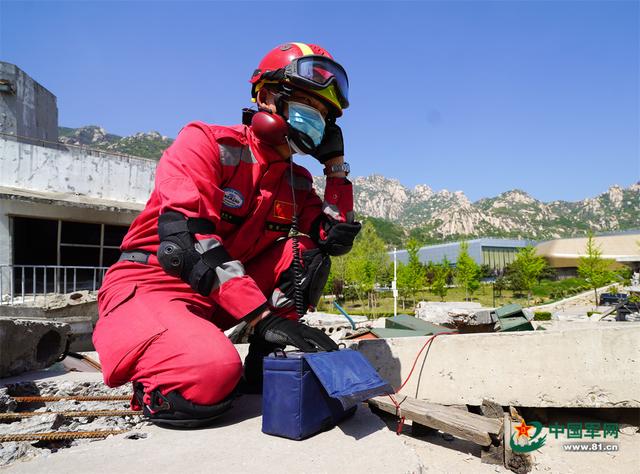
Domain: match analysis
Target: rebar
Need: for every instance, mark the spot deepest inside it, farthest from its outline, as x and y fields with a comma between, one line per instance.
x=59, y=436
x=69, y=414
x=95, y=398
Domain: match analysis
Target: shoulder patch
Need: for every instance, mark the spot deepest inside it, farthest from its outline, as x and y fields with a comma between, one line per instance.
x=232, y=198
x=233, y=155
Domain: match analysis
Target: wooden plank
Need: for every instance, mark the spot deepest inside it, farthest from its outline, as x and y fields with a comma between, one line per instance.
x=461, y=424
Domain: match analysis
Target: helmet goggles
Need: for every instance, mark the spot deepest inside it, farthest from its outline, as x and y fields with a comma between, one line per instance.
x=318, y=73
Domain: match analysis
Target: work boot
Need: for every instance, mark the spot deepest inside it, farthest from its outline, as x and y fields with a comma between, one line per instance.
x=172, y=410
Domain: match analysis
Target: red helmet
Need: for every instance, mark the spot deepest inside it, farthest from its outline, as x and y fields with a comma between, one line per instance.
x=308, y=67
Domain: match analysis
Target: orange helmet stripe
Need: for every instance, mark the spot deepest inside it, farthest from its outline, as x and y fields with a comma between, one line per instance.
x=306, y=50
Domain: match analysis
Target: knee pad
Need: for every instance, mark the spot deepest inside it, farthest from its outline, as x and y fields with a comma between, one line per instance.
x=174, y=410
x=312, y=279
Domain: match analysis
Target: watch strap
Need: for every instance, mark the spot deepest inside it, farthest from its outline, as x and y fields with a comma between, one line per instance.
x=337, y=168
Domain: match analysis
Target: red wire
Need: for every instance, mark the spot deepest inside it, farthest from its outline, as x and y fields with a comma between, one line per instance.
x=395, y=402
x=418, y=356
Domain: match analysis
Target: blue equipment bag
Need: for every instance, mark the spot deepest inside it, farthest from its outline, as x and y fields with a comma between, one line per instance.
x=305, y=393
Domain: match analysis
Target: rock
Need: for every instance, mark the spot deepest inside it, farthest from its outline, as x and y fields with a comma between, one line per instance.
x=7, y=403
x=33, y=424
x=12, y=451
x=30, y=344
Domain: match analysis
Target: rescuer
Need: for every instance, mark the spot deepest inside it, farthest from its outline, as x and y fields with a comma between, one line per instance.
x=216, y=244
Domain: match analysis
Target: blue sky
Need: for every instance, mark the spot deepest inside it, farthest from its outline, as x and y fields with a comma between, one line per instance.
x=475, y=96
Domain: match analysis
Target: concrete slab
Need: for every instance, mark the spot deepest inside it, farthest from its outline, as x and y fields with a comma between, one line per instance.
x=360, y=444
x=588, y=365
x=28, y=344
x=327, y=319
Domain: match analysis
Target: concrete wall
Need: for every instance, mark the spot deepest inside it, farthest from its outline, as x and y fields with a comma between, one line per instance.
x=72, y=172
x=76, y=170
x=592, y=365
x=31, y=110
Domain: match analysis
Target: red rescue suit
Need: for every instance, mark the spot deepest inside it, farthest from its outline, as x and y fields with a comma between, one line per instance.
x=153, y=327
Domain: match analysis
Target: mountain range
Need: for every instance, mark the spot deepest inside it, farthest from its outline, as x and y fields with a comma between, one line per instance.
x=434, y=216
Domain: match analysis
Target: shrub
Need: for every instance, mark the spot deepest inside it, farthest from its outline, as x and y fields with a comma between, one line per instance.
x=542, y=316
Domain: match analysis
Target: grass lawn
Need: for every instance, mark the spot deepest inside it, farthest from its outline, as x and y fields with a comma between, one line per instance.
x=484, y=296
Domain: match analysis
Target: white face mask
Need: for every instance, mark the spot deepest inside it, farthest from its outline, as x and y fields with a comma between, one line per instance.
x=307, y=120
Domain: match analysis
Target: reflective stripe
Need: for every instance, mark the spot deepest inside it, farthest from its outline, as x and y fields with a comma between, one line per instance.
x=203, y=245
x=279, y=299
x=299, y=182
x=331, y=210
x=225, y=271
x=247, y=155
x=228, y=271
x=232, y=155
x=306, y=50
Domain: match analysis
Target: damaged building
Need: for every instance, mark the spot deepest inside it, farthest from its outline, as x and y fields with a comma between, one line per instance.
x=64, y=209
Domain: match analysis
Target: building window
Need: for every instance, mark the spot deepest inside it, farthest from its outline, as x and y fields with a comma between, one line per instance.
x=65, y=243
x=498, y=257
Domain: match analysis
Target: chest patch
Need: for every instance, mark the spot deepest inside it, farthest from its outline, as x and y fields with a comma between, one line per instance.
x=283, y=210
x=232, y=198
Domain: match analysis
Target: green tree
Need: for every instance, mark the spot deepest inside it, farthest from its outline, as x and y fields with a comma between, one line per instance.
x=593, y=268
x=412, y=276
x=526, y=269
x=500, y=285
x=391, y=233
x=467, y=273
x=337, y=276
x=366, y=264
x=441, y=276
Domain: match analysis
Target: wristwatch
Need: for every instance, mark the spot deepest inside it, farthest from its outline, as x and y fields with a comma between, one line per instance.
x=342, y=167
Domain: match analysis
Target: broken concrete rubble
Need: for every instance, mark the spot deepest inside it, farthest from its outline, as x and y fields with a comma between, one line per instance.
x=467, y=317
x=29, y=344
x=48, y=421
x=78, y=309
x=337, y=326
x=236, y=445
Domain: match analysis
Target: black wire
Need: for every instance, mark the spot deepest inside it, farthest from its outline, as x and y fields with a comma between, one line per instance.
x=295, y=244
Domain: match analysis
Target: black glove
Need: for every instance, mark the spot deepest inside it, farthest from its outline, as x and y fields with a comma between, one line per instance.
x=277, y=330
x=340, y=237
x=332, y=144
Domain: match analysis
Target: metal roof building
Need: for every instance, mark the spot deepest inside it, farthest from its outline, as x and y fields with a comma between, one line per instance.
x=485, y=251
